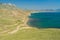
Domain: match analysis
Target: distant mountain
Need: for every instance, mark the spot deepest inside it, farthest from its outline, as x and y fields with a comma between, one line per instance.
x=58, y=10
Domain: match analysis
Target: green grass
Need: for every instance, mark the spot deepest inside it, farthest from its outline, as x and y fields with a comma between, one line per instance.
x=7, y=22
x=33, y=34
x=8, y=19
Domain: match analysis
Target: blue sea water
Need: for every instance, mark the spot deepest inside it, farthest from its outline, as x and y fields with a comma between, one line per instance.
x=45, y=20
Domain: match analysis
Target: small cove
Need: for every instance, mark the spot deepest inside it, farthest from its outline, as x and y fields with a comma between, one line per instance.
x=44, y=20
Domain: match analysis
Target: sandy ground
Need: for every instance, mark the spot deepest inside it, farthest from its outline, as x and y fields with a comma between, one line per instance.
x=17, y=29
x=25, y=20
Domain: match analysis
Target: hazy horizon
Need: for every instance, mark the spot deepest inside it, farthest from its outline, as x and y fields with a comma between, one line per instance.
x=34, y=4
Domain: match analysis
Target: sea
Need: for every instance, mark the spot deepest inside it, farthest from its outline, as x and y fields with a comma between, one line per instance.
x=44, y=20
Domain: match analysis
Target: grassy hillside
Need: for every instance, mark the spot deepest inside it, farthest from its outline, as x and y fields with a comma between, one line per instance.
x=12, y=28
x=10, y=17
x=33, y=34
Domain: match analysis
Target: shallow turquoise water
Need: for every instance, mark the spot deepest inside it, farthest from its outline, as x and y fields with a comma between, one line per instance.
x=45, y=20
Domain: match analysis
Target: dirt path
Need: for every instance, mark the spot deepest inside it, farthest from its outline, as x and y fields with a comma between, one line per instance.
x=14, y=31
x=18, y=28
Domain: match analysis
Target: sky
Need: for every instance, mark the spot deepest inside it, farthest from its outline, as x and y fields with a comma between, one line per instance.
x=34, y=4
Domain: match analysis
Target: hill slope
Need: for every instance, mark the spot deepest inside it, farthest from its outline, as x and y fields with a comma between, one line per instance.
x=10, y=17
